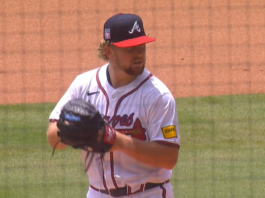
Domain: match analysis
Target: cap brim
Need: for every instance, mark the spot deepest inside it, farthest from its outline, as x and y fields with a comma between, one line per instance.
x=135, y=41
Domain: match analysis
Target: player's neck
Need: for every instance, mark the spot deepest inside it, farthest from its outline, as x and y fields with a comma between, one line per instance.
x=119, y=78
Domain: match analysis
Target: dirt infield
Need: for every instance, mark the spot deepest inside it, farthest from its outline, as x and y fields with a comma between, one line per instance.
x=203, y=47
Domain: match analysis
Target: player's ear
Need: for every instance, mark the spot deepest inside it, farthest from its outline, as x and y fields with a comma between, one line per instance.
x=109, y=52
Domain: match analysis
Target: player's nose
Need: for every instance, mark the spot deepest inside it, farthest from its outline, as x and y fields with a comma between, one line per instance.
x=140, y=49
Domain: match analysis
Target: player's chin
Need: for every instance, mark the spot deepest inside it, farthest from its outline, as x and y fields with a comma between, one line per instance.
x=136, y=70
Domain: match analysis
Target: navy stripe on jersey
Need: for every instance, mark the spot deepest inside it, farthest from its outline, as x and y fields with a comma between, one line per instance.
x=108, y=76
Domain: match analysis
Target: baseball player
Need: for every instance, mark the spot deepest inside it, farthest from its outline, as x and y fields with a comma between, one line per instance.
x=138, y=106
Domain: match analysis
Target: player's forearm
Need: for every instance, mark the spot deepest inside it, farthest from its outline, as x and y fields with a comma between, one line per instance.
x=52, y=137
x=150, y=153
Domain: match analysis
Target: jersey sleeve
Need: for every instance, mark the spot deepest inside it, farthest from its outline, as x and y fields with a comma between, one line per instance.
x=163, y=121
x=71, y=93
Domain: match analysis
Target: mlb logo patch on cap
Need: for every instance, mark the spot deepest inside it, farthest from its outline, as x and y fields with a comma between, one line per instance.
x=107, y=34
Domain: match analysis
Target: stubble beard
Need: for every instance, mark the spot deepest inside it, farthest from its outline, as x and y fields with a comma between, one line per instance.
x=134, y=71
x=131, y=70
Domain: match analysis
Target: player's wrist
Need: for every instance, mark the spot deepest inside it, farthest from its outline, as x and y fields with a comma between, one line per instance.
x=117, y=142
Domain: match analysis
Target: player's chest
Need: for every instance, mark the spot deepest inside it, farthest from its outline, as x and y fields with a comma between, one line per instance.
x=126, y=114
x=122, y=104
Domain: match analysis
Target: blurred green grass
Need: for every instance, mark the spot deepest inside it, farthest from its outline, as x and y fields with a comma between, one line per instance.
x=27, y=168
x=222, y=151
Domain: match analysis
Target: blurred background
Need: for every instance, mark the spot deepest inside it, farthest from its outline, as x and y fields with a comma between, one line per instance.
x=203, y=47
x=210, y=53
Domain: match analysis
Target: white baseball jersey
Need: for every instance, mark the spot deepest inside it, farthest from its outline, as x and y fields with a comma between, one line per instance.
x=144, y=109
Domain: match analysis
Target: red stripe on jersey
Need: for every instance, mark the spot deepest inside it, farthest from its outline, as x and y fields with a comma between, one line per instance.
x=104, y=181
x=112, y=170
x=116, y=109
x=115, y=112
x=106, y=111
x=104, y=92
x=164, y=191
x=129, y=93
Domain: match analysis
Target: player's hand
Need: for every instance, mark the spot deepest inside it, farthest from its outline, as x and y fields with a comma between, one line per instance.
x=81, y=126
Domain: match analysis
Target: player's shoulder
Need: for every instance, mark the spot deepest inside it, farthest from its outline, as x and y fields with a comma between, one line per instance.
x=156, y=86
x=88, y=75
x=155, y=90
x=159, y=85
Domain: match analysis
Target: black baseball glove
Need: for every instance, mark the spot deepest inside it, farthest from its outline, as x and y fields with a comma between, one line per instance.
x=82, y=127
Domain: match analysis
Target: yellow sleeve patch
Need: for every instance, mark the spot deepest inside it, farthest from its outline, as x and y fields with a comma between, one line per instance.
x=169, y=132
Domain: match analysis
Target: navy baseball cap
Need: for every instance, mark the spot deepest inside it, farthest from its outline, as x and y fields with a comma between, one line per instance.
x=125, y=30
